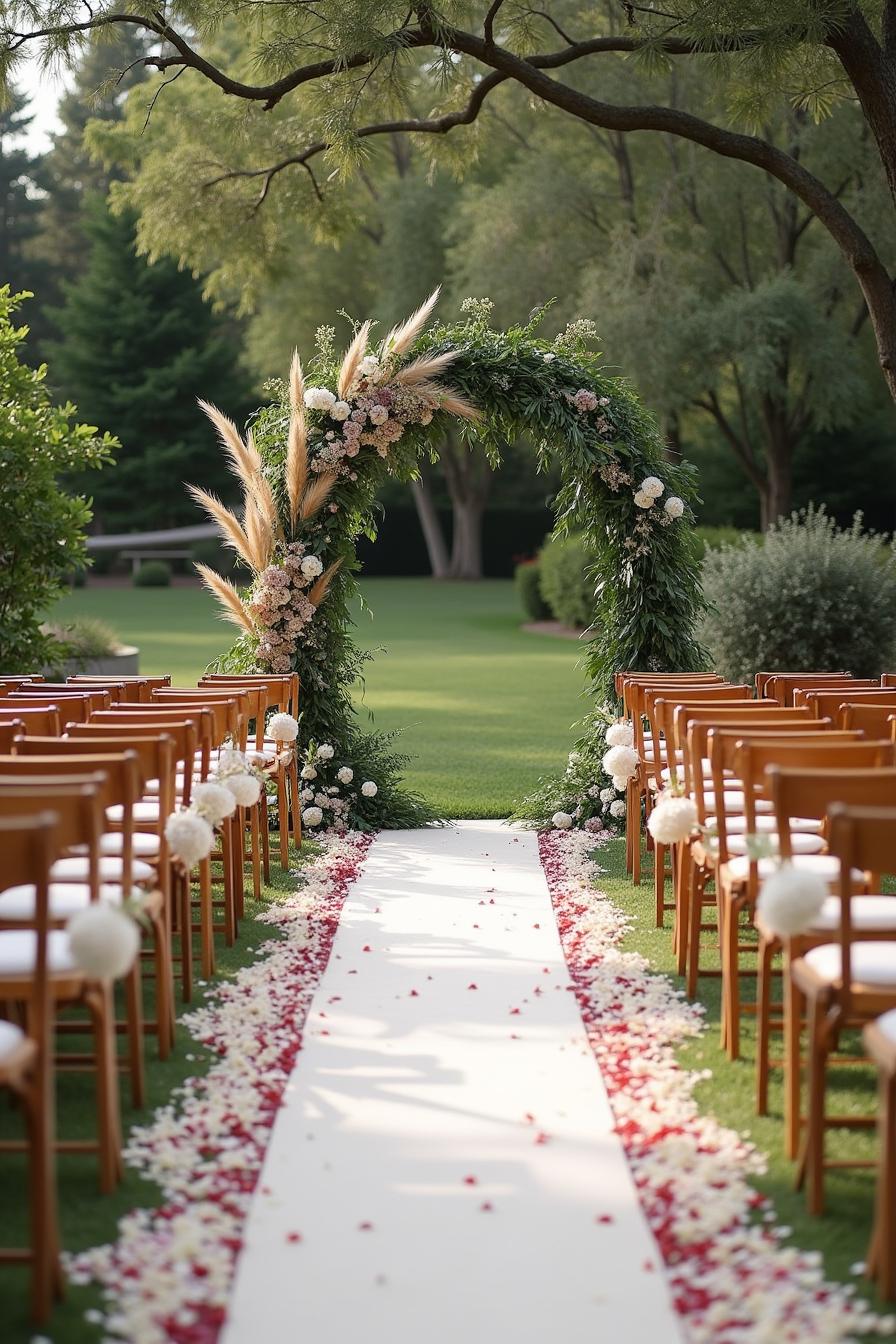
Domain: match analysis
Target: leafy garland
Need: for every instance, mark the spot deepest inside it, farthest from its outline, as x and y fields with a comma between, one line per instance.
x=311, y=469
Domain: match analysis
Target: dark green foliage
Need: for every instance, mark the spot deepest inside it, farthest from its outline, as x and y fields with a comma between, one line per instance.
x=808, y=596
x=153, y=574
x=137, y=344
x=21, y=180
x=527, y=577
x=565, y=583
x=711, y=538
x=41, y=526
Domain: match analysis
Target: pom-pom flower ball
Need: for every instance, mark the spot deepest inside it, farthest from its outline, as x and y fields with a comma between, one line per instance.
x=617, y=808
x=213, y=802
x=621, y=763
x=369, y=789
x=104, y=941
x=621, y=733
x=561, y=821
x=672, y=819
x=674, y=506
x=312, y=816
x=311, y=567
x=652, y=486
x=619, y=783
x=189, y=836
x=283, y=728
x=319, y=399
x=791, y=900
x=245, y=788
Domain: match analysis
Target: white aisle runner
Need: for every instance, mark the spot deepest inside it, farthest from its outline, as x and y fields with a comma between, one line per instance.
x=444, y=1168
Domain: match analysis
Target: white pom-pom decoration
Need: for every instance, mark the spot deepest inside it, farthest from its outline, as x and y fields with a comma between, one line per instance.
x=246, y=789
x=213, y=801
x=619, y=783
x=312, y=816
x=791, y=900
x=672, y=820
x=369, y=789
x=230, y=759
x=104, y=941
x=621, y=733
x=621, y=763
x=561, y=821
x=189, y=837
x=283, y=728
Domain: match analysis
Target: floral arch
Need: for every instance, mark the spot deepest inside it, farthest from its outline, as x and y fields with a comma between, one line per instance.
x=311, y=466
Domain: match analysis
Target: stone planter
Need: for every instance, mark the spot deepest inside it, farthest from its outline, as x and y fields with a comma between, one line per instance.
x=124, y=663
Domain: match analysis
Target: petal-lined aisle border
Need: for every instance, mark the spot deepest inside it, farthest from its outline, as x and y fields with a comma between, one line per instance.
x=733, y=1280
x=168, y=1275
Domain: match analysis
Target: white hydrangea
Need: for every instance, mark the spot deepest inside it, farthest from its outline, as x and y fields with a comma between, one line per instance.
x=369, y=789
x=369, y=367
x=312, y=816
x=319, y=399
x=213, y=801
x=190, y=837
x=674, y=506
x=672, y=819
x=283, y=728
x=311, y=567
x=561, y=821
x=644, y=501
x=345, y=775
x=619, y=783
x=621, y=762
x=104, y=940
x=617, y=808
x=652, y=486
x=791, y=900
x=309, y=772
x=621, y=733
x=307, y=795
x=607, y=795
x=340, y=410
x=325, y=752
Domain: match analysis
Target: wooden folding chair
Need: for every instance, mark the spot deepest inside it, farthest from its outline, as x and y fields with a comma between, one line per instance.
x=829, y=703
x=44, y=722
x=29, y=846
x=879, y=1038
x=780, y=686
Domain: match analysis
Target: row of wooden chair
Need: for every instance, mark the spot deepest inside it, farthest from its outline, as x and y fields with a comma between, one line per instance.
x=90, y=770
x=807, y=765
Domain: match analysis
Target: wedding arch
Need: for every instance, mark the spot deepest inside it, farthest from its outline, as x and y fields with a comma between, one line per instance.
x=313, y=461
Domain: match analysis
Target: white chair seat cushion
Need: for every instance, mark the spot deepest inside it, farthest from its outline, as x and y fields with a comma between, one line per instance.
x=872, y=963
x=799, y=843
x=825, y=865
x=765, y=824
x=146, y=810
x=886, y=1024
x=18, y=952
x=11, y=1037
x=65, y=899
x=865, y=912
x=145, y=844
x=735, y=802
x=78, y=869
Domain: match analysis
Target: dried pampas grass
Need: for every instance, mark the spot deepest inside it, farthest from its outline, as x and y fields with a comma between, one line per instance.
x=233, y=607
x=402, y=337
x=318, y=592
x=352, y=358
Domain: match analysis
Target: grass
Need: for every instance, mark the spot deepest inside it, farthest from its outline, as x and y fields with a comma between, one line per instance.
x=841, y=1235
x=484, y=708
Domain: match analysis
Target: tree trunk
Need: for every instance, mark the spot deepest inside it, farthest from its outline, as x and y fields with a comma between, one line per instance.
x=779, y=447
x=430, y=526
x=469, y=477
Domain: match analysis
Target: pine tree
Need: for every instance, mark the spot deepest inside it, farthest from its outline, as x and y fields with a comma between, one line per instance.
x=139, y=345
x=20, y=209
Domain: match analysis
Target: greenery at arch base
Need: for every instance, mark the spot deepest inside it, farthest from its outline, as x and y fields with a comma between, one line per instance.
x=646, y=567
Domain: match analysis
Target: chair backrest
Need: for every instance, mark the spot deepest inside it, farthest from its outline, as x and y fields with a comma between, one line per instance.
x=74, y=707
x=674, y=717
x=30, y=844
x=11, y=733
x=868, y=717
x=261, y=695
x=864, y=838
x=780, y=686
x=230, y=709
x=810, y=791
x=47, y=722
x=143, y=686
x=634, y=687
x=828, y=702
x=888, y=679
x=777, y=722
x=670, y=699
x=98, y=697
x=10, y=683
x=180, y=733
x=282, y=690
x=77, y=803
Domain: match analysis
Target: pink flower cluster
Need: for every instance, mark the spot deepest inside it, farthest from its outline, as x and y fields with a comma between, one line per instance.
x=280, y=605
x=585, y=400
x=377, y=419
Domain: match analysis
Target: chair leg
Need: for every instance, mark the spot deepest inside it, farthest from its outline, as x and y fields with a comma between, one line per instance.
x=659, y=882
x=265, y=839
x=99, y=1004
x=39, y=1104
x=186, y=938
x=133, y=990
x=636, y=840
x=293, y=771
x=164, y=986
x=766, y=957
x=730, y=975
x=206, y=921
x=283, y=817
x=812, y=1160
x=693, y=939
x=256, y=847
x=882, y=1251
x=793, y=1013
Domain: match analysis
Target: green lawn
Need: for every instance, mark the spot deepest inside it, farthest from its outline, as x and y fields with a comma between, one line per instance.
x=484, y=707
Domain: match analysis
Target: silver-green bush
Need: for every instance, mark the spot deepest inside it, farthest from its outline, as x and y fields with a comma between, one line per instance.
x=809, y=596
x=564, y=585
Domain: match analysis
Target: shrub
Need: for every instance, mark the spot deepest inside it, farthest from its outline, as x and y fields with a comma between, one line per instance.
x=527, y=577
x=811, y=596
x=41, y=526
x=218, y=557
x=711, y=538
x=564, y=586
x=153, y=574
x=79, y=640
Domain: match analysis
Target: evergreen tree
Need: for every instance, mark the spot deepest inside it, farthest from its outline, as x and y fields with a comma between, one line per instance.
x=139, y=345
x=20, y=208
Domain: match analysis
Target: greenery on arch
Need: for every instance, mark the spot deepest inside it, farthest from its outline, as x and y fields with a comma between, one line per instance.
x=313, y=464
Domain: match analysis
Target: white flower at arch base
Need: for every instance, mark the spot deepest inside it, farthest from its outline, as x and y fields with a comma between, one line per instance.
x=561, y=821
x=620, y=734
x=652, y=486
x=791, y=900
x=621, y=763
x=312, y=816
x=345, y=774
x=369, y=789
x=283, y=728
x=325, y=752
x=644, y=501
x=674, y=506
